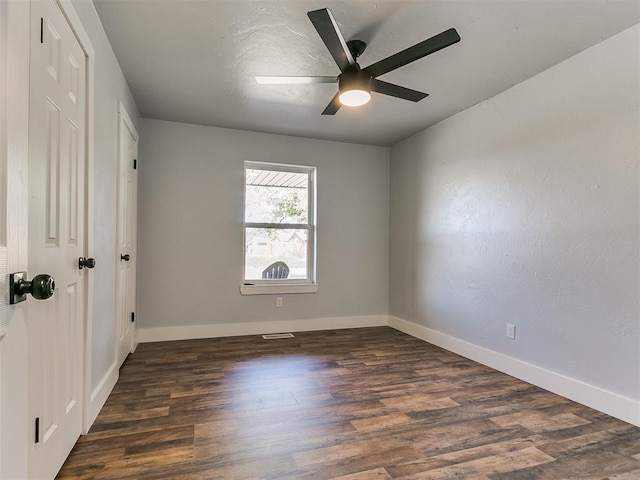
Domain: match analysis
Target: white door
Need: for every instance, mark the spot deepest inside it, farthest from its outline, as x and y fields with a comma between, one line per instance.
x=14, y=124
x=5, y=312
x=127, y=234
x=56, y=235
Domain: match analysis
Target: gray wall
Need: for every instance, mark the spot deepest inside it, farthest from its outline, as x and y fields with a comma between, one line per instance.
x=524, y=210
x=191, y=230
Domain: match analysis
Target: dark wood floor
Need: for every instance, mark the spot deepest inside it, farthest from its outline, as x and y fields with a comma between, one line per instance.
x=359, y=404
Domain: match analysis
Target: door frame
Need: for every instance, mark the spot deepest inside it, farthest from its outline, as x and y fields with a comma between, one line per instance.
x=89, y=411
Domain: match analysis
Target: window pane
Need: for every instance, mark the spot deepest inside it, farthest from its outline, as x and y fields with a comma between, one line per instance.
x=276, y=197
x=265, y=246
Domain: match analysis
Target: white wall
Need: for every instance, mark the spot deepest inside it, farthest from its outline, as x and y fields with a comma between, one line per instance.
x=525, y=209
x=190, y=227
x=110, y=87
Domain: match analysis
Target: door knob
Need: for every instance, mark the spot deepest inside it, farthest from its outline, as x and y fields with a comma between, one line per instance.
x=86, y=263
x=41, y=287
x=125, y=257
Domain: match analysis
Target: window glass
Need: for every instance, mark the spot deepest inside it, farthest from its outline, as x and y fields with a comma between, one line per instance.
x=279, y=214
x=276, y=204
x=266, y=246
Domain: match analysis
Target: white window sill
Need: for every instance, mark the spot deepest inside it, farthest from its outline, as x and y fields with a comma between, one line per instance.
x=278, y=289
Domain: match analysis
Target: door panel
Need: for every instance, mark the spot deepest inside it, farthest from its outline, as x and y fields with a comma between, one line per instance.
x=56, y=238
x=127, y=238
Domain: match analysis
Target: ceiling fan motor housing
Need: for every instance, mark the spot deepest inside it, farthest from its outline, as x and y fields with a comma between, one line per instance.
x=354, y=80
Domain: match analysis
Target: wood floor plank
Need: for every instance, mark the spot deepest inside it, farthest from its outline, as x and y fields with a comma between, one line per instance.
x=355, y=404
x=419, y=402
x=376, y=474
x=539, y=422
x=380, y=422
x=488, y=466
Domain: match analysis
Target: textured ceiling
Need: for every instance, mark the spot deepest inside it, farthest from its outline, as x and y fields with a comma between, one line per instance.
x=194, y=61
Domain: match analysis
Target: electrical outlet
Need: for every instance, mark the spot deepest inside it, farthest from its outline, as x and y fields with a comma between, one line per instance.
x=511, y=331
x=278, y=301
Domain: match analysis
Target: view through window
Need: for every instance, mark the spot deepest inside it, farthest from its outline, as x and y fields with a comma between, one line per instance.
x=279, y=223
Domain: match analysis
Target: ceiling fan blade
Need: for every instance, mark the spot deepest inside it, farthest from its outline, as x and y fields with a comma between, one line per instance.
x=396, y=90
x=273, y=80
x=330, y=34
x=411, y=54
x=333, y=106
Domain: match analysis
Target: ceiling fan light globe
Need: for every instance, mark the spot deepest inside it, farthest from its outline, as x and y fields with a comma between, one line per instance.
x=354, y=98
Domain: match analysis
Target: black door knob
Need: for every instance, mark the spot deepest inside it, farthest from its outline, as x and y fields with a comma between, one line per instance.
x=41, y=287
x=86, y=263
x=125, y=257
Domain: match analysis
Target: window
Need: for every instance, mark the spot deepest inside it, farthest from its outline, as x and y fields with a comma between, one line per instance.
x=279, y=229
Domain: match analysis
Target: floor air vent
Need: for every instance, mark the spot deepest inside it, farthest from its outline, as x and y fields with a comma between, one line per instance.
x=273, y=336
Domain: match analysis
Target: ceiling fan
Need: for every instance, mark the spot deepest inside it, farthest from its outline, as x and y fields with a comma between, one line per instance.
x=355, y=84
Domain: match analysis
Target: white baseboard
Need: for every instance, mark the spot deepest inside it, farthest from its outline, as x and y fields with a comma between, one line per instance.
x=186, y=332
x=100, y=394
x=624, y=408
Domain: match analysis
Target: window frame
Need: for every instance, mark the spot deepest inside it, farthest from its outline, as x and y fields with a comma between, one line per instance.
x=288, y=285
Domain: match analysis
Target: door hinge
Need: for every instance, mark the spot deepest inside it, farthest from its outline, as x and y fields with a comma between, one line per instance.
x=41, y=30
x=37, y=429
x=133, y=317
x=135, y=163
